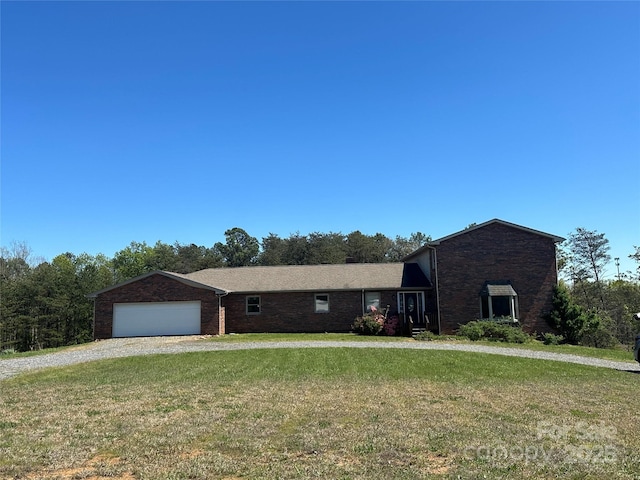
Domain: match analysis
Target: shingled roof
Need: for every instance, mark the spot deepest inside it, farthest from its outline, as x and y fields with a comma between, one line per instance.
x=300, y=278
x=498, y=289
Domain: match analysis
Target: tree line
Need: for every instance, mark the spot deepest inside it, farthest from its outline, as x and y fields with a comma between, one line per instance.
x=588, y=309
x=44, y=304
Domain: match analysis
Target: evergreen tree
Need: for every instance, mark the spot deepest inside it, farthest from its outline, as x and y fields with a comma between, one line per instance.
x=567, y=317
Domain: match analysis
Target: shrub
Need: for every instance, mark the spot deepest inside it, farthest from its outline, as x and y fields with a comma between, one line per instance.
x=426, y=336
x=391, y=325
x=494, y=331
x=375, y=323
x=367, y=325
x=600, y=332
x=472, y=330
x=552, y=339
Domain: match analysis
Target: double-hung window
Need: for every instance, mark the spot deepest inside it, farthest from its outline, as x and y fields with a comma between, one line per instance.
x=253, y=304
x=322, y=302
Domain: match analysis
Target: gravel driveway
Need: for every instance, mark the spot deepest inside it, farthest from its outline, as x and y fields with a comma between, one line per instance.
x=126, y=347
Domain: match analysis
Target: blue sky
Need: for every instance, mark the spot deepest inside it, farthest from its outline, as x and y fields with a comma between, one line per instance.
x=147, y=121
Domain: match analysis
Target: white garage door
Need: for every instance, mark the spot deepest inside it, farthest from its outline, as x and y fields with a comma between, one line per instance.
x=154, y=319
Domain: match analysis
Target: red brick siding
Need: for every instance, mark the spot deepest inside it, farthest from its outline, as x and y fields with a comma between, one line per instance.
x=294, y=312
x=496, y=252
x=223, y=320
x=155, y=288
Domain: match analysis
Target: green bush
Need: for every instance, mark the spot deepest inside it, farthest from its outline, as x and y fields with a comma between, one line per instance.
x=426, y=336
x=493, y=331
x=599, y=338
x=552, y=339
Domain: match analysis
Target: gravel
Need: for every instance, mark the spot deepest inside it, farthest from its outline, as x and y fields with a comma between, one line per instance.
x=126, y=347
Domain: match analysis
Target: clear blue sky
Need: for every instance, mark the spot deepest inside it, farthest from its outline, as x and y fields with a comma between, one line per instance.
x=147, y=121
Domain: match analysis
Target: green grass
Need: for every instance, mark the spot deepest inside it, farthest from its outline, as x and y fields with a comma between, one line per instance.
x=622, y=353
x=327, y=413
x=33, y=353
x=303, y=337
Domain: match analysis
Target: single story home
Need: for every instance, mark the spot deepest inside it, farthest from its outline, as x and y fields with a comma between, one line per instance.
x=492, y=270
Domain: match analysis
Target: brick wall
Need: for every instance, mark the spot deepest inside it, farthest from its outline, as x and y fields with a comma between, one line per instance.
x=492, y=253
x=294, y=312
x=155, y=288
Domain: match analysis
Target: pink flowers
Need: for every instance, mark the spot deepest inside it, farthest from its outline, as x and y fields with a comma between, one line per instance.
x=375, y=323
x=390, y=326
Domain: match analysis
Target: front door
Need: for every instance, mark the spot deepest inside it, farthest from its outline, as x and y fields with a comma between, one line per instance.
x=412, y=306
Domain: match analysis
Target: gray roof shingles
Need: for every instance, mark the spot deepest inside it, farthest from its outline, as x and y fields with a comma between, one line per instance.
x=352, y=276
x=498, y=289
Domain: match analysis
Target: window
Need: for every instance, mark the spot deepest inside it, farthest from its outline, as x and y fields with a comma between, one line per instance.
x=498, y=301
x=371, y=299
x=253, y=305
x=322, y=302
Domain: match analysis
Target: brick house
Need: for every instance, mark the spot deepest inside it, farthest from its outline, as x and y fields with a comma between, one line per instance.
x=292, y=298
x=493, y=270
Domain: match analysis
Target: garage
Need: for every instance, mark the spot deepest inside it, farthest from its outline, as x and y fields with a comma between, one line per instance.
x=150, y=319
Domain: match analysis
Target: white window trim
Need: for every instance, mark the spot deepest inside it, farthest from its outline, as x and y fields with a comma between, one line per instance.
x=315, y=302
x=246, y=305
x=513, y=307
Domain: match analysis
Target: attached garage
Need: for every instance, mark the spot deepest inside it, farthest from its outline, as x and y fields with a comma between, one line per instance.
x=158, y=304
x=150, y=319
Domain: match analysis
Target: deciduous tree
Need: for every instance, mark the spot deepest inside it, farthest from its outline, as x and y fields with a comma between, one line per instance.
x=240, y=249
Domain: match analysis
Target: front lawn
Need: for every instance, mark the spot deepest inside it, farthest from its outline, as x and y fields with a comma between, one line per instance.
x=305, y=337
x=320, y=413
x=619, y=354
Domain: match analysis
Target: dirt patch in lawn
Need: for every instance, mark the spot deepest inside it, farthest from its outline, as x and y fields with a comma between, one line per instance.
x=90, y=471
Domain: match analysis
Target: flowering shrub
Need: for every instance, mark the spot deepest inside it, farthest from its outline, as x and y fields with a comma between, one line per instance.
x=391, y=325
x=368, y=325
x=375, y=323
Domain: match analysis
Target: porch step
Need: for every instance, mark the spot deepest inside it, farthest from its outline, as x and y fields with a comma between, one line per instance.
x=416, y=330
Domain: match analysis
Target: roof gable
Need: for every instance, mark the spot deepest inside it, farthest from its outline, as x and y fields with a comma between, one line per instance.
x=437, y=242
x=171, y=275
x=555, y=238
